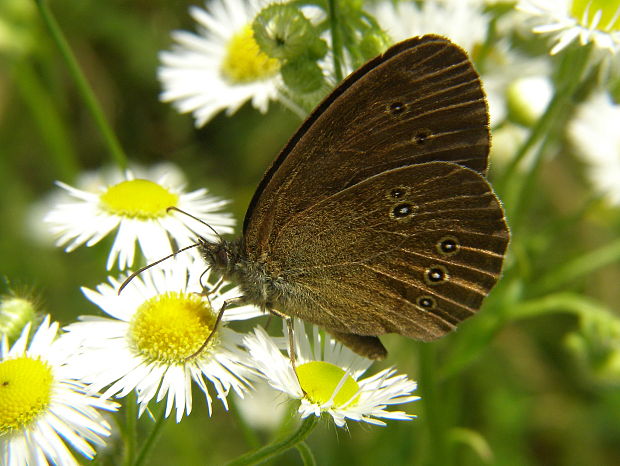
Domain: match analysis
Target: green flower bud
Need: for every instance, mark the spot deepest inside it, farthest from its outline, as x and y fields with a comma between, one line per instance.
x=373, y=43
x=283, y=32
x=527, y=99
x=302, y=76
x=15, y=313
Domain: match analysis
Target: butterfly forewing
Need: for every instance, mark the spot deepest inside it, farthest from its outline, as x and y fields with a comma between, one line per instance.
x=421, y=101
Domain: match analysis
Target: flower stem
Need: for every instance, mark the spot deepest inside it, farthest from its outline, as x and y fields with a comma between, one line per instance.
x=537, y=132
x=434, y=417
x=578, y=267
x=306, y=454
x=84, y=89
x=150, y=441
x=131, y=430
x=520, y=188
x=336, y=40
x=45, y=116
x=570, y=76
x=277, y=448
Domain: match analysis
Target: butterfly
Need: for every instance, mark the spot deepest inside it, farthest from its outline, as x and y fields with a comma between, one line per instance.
x=376, y=217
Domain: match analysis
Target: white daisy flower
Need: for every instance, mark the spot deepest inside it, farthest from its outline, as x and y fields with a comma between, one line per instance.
x=221, y=66
x=148, y=344
x=330, y=376
x=462, y=21
x=135, y=205
x=595, y=21
x=594, y=133
x=43, y=407
x=466, y=24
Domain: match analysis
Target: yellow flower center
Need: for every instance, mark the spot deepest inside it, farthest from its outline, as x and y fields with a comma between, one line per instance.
x=140, y=199
x=319, y=380
x=25, y=392
x=585, y=10
x=245, y=62
x=171, y=327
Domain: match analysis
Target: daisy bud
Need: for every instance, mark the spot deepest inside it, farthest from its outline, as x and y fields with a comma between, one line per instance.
x=283, y=32
x=15, y=313
x=302, y=76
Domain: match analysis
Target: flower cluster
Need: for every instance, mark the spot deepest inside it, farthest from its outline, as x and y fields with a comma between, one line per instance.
x=160, y=335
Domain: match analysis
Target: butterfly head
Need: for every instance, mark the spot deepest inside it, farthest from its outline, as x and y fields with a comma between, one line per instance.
x=220, y=255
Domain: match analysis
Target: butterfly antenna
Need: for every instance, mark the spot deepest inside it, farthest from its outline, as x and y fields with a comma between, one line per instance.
x=142, y=269
x=176, y=209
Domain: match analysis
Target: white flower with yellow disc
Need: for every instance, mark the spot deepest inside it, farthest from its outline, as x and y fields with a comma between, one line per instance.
x=149, y=343
x=330, y=377
x=221, y=66
x=135, y=205
x=588, y=21
x=43, y=407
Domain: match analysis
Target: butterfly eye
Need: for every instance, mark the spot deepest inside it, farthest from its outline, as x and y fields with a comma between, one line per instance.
x=421, y=136
x=401, y=211
x=448, y=246
x=435, y=274
x=396, y=108
x=397, y=193
x=426, y=302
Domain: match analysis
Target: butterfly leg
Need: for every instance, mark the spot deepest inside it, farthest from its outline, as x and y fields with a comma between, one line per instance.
x=291, y=343
x=367, y=346
x=290, y=331
x=206, y=290
x=291, y=350
x=220, y=314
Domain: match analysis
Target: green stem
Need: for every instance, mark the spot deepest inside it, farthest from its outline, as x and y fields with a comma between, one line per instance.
x=307, y=457
x=51, y=126
x=571, y=74
x=131, y=429
x=433, y=409
x=150, y=441
x=84, y=89
x=537, y=132
x=277, y=448
x=520, y=188
x=559, y=303
x=336, y=40
x=580, y=266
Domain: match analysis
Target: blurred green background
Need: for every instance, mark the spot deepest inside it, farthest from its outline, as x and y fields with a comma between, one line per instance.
x=508, y=389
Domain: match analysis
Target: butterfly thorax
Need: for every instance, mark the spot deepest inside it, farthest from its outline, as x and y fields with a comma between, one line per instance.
x=260, y=282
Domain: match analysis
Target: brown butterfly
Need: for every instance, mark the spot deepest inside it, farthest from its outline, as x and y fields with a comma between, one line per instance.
x=376, y=217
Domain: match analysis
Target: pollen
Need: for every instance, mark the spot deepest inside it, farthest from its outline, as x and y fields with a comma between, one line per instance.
x=169, y=328
x=25, y=392
x=245, y=62
x=141, y=199
x=585, y=12
x=319, y=379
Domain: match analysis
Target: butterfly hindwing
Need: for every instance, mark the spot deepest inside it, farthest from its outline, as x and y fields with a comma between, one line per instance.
x=412, y=250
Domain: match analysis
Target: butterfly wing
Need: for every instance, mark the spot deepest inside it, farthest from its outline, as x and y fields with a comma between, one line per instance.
x=412, y=250
x=419, y=102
